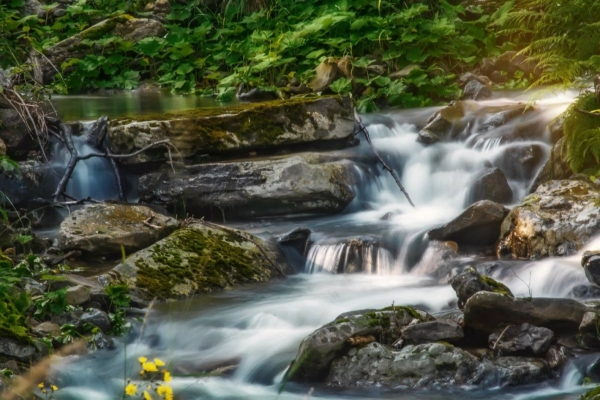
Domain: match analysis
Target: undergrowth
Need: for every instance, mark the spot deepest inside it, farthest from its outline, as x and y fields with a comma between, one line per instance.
x=582, y=135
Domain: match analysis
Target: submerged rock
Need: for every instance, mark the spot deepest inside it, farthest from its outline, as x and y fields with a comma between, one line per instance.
x=318, y=350
x=522, y=338
x=521, y=161
x=431, y=365
x=470, y=282
x=491, y=185
x=557, y=220
x=233, y=129
x=444, y=123
x=491, y=311
x=591, y=264
x=286, y=186
x=477, y=225
x=102, y=229
x=200, y=258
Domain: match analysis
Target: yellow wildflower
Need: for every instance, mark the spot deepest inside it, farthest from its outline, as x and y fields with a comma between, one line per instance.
x=41, y=385
x=130, y=389
x=167, y=376
x=169, y=393
x=159, y=362
x=142, y=360
x=54, y=388
x=161, y=390
x=147, y=396
x=149, y=367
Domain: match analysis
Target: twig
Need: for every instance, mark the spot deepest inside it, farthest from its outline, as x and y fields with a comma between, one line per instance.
x=584, y=112
x=500, y=337
x=363, y=129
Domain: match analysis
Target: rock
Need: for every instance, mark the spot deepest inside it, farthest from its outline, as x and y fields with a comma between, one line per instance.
x=71, y=317
x=267, y=125
x=98, y=318
x=47, y=328
x=521, y=161
x=493, y=186
x=433, y=331
x=319, y=349
x=491, y=311
x=77, y=295
x=511, y=63
x=129, y=28
x=15, y=135
x=255, y=94
x=404, y=72
x=475, y=90
x=556, y=167
x=592, y=394
x=344, y=66
x=298, y=239
x=585, y=292
x=25, y=352
x=522, y=338
x=591, y=264
x=557, y=220
x=588, y=329
x=477, y=225
x=200, y=258
x=325, y=73
x=468, y=77
x=431, y=365
x=33, y=287
x=471, y=282
x=100, y=341
x=442, y=124
x=2, y=148
x=557, y=356
x=160, y=8
x=102, y=229
x=292, y=185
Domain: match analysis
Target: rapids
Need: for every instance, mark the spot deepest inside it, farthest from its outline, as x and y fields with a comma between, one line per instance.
x=258, y=328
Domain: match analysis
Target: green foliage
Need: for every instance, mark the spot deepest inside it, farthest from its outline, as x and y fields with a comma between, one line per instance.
x=51, y=302
x=561, y=37
x=582, y=135
x=118, y=295
x=120, y=325
x=258, y=45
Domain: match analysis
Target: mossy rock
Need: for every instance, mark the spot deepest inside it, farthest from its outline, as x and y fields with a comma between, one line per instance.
x=198, y=259
x=470, y=282
x=232, y=129
x=592, y=394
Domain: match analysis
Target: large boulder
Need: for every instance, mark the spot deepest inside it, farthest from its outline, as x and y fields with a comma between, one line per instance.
x=524, y=338
x=235, y=129
x=470, y=282
x=591, y=264
x=557, y=220
x=318, y=350
x=492, y=311
x=521, y=161
x=477, y=225
x=196, y=259
x=292, y=185
x=491, y=185
x=101, y=229
x=431, y=365
x=125, y=26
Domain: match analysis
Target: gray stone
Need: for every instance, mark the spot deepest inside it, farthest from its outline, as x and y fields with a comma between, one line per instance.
x=33, y=287
x=491, y=311
x=588, y=329
x=47, y=328
x=558, y=219
x=556, y=167
x=591, y=264
x=98, y=318
x=17, y=350
x=475, y=90
x=443, y=123
x=270, y=125
x=470, y=282
x=491, y=185
x=293, y=185
x=444, y=330
x=77, y=295
x=100, y=341
x=15, y=135
x=521, y=161
x=102, y=229
x=557, y=356
x=319, y=349
x=137, y=29
x=479, y=224
x=522, y=338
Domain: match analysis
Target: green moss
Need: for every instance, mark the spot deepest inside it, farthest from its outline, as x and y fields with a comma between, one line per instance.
x=496, y=286
x=342, y=320
x=410, y=310
x=12, y=315
x=593, y=394
x=199, y=261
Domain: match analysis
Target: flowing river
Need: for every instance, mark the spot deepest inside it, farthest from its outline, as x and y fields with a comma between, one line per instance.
x=257, y=330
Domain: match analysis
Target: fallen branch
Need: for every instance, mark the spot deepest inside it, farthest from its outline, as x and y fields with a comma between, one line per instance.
x=363, y=129
x=584, y=112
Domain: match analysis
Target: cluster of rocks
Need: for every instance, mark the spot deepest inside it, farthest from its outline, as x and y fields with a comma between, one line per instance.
x=528, y=341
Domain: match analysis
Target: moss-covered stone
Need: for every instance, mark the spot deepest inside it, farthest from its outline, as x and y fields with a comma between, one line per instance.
x=592, y=394
x=245, y=126
x=197, y=259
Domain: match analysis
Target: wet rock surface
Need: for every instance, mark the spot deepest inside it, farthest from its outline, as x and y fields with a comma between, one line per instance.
x=522, y=338
x=470, y=282
x=479, y=224
x=556, y=166
x=293, y=185
x=557, y=220
x=102, y=229
x=591, y=264
x=491, y=185
x=443, y=329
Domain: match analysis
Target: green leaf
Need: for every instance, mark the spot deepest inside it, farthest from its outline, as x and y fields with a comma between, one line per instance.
x=150, y=46
x=341, y=85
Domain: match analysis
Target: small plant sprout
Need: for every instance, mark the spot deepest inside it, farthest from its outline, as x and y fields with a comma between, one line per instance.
x=155, y=384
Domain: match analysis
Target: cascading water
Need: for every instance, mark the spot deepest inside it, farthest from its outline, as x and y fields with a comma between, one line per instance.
x=257, y=330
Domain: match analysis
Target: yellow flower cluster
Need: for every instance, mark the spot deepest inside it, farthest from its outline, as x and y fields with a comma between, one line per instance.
x=150, y=370
x=48, y=391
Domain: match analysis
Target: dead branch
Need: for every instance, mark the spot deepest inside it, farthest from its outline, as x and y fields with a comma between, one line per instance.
x=363, y=129
x=589, y=113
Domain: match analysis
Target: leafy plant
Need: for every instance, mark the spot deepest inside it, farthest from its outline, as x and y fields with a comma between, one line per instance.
x=118, y=295
x=51, y=302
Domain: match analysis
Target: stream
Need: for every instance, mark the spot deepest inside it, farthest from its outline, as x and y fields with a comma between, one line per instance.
x=258, y=328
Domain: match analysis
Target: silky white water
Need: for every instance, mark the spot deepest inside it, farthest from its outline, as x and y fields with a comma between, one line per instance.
x=258, y=329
